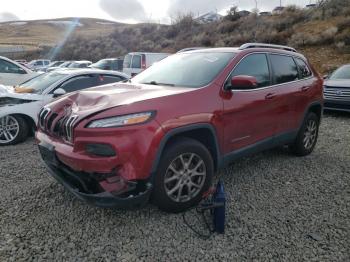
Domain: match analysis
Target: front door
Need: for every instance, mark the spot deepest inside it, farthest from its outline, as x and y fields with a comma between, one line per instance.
x=250, y=114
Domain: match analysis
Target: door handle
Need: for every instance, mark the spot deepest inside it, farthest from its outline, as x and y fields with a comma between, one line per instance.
x=305, y=88
x=270, y=96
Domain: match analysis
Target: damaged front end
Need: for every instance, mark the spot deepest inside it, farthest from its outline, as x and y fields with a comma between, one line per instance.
x=91, y=187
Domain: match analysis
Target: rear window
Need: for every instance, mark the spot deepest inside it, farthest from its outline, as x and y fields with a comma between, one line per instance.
x=136, y=61
x=107, y=79
x=127, y=61
x=284, y=68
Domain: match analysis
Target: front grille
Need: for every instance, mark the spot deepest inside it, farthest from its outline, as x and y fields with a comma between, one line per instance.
x=43, y=114
x=56, y=124
x=337, y=93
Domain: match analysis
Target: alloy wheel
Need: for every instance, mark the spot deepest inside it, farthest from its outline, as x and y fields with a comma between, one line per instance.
x=310, y=134
x=185, y=177
x=9, y=129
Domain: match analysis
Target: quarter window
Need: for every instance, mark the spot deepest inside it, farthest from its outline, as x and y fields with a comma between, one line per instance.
x=254, y=65
x=284, y=69
x=305, y=71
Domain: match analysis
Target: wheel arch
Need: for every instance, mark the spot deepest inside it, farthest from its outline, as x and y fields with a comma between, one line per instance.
x=315, y=107
x=204, y=133
x=29, y=120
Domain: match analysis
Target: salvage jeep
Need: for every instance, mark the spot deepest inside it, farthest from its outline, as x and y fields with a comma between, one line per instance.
x=162, y=135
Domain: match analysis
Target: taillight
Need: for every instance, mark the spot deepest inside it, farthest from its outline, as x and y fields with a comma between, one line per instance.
x=143, y=61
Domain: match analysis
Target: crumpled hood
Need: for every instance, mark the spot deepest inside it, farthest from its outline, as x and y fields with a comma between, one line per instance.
x=92, y=100
x=337, y=83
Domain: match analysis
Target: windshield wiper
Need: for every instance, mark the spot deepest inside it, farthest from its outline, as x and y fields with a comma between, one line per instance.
x=155, y=83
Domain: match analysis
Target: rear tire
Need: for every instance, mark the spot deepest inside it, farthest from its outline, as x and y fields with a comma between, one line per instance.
x=13, y=130
x=185, y=172
x=307, y=136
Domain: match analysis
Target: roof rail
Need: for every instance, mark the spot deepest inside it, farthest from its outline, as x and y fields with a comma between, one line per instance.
x=261, y=45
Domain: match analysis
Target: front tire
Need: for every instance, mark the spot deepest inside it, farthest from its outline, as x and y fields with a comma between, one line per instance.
x=13, y=130
x=307, y=136
x=185, y=172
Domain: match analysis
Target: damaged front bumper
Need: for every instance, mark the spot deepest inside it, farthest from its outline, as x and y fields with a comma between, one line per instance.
x=84, y=186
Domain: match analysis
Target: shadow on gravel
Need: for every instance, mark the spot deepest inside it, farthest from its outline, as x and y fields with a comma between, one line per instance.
x=337, y=114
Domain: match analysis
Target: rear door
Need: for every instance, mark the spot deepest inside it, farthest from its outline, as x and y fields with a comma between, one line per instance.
x=287, y=88
x=306, y=89
x=250, y=114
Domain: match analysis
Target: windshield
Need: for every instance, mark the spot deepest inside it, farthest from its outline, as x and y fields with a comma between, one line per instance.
x=100, y=64
x=65, y=64
x=41, y=82
x=78, y=65
x=185, y=69
x=57, y=63
x=341, y=73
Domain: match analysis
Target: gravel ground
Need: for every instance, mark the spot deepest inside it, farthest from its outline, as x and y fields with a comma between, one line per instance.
x=280, y=207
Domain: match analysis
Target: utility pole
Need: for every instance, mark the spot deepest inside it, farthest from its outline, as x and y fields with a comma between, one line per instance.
x=280, y=3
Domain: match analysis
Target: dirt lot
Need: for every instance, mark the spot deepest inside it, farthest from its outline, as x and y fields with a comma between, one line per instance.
x=280, y=208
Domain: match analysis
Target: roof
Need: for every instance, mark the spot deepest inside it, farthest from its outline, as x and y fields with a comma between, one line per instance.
x=263, y=47
x=147, y=53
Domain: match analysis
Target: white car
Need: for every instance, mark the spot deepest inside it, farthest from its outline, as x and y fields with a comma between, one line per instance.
x=20, y=106
x=37, y=65
x=13, y=73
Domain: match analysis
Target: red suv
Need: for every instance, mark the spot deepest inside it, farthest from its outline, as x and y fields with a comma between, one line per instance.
x=164, y=134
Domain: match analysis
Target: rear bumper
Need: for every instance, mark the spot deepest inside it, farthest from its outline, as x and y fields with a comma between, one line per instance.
x=88, y=190
x=337, y=105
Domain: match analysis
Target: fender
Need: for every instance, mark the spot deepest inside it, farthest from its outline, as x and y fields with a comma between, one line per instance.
x=182, y=129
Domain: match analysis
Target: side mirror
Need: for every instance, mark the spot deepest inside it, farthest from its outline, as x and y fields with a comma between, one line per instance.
x=59, y=92
x=325, y=76
x=242, y=82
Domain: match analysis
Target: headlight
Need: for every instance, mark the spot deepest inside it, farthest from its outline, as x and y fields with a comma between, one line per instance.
x=125, y=120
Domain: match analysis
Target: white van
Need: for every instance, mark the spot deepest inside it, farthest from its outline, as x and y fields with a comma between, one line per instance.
x=136, y=62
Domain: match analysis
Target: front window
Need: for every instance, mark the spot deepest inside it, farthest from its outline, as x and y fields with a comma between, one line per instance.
x=10, y=68
x=341, y=73
x=255, y=65
x=186, y=69
x=41, y=82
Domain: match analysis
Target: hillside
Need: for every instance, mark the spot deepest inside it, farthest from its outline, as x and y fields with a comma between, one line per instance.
x=322, y=34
